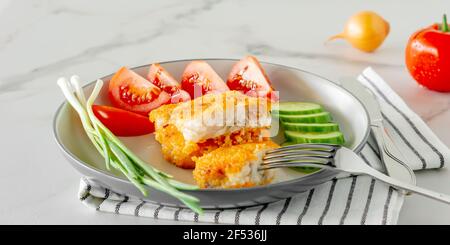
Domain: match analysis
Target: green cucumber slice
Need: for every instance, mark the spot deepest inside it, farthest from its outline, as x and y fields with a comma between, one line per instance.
x=287, y=143
x=298, y=108
x=330, y=137
x=306, y=170
x=311, y=127
x=321, y=117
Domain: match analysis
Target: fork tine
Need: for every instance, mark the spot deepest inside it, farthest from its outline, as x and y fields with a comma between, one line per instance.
x=325, y=164
x=298, y=158
x=297, y=152
x=318, y=147
x=316, y=155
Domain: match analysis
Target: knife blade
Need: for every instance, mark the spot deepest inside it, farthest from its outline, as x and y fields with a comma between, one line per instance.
x=391, y=157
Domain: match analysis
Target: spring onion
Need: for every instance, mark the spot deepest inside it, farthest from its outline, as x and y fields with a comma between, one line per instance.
x=116, y=154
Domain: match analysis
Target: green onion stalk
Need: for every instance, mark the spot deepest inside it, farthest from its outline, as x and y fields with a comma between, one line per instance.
x=116, y=154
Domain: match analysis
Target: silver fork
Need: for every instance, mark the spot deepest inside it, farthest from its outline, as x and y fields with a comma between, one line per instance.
x=336, y=158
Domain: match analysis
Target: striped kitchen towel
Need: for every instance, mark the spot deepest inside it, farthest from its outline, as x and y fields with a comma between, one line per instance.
x=345, y=200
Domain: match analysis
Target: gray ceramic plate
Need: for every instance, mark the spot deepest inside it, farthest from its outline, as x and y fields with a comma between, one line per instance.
x=293, y=85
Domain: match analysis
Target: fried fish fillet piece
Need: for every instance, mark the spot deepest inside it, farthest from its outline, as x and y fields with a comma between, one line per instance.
x=173, y=145
x=234, y=166
x=191, y=129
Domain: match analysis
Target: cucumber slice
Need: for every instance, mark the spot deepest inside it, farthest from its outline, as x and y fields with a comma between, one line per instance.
x=287, y=143
x=330, y=138
x=321, y=117
x=306, y=170
x=311, y=127
x=298, y=108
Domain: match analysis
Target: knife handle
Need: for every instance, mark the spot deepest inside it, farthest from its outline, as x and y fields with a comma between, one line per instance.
x=394, y=153
x=377, y=132
x=393, y=160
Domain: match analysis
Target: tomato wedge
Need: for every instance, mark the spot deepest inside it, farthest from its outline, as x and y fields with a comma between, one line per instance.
x=180, y=96
x=122, y=122
x=200, y=77
x=249, y=77
x=163, y=80
x=131, y=92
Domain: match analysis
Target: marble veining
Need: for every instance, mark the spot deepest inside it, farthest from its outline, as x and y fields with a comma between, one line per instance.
x=16, y=80
x=267, y=50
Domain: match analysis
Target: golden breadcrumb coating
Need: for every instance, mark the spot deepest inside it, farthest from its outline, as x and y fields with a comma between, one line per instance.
x=161, y=115
x=228, y=167
x=179, y=151
x=230, y=101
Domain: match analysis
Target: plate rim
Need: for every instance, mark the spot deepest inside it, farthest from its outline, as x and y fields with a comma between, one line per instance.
x=88, y=167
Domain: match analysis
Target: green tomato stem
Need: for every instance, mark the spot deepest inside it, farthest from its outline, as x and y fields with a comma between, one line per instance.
x=444, y=26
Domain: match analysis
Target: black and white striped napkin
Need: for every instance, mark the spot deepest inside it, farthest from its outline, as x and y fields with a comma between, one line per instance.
x=346, y=200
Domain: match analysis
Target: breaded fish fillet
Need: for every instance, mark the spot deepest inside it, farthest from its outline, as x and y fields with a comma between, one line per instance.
x=233, y=166
x=193, y=128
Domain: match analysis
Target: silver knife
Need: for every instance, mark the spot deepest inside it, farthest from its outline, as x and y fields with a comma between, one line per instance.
x=391, y=157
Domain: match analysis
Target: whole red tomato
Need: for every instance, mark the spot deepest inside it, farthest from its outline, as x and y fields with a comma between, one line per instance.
x=428, y=57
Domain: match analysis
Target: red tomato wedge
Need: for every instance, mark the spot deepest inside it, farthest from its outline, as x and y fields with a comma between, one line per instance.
x=180, y=96
x=122, y=122
x=200, y=77
x=131, y=92
x=249, y=77
x=163, y=80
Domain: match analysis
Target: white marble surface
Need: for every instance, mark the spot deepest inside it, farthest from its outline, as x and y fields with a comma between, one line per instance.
x=42, y=40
